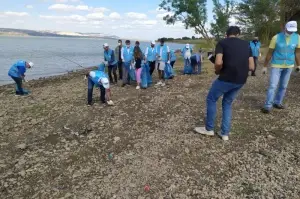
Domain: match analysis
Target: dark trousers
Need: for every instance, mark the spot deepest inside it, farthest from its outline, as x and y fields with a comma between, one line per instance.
x=151, y=66
x=172, y=63
x=112, y=69
x=91, y=85
x=255, y=65
x=18, y=81
x=120, y=67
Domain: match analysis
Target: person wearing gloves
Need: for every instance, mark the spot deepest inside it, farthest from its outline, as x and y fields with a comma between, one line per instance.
x=172, y=58
x=150, y=56
x=162, y=57
x=284, y=52
x=186, y=54
x=17, y=73
x=99, y=78
x=127, y=59
x=118, y=57
x=255, y=47
x=138, y=57
x=111, y=63
x=196, y=61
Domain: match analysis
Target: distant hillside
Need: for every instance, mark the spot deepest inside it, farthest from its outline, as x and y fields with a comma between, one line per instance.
x=23, y=32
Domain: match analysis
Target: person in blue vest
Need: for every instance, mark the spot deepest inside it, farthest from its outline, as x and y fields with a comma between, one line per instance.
x=255, y=47
x=150, y=56
x=163, y=58
x=186, y=53
x=111, y=62
x=284, y=53
x=100, y=79
x=196, y=62
x=172, y=58
x=17, y=73
x=127, y=59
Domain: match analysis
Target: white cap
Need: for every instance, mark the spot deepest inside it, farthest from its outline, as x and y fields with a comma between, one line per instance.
x=153, y=42
x=105, y=83
x=105, y=45
x=291, y=26
x=30, y=64
x=187, y=45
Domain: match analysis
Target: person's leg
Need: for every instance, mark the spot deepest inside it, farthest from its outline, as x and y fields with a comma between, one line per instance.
x=115, y=73
x=172, y=63
x=138, y=76
x=274, y=79
x=199, y=68
x=109, y=73
x=125, y=74
x=18, y=82
x=159, y=73
x=120, y=69
x=217, y=89
x=152, y=67
x=283, y=83
x=102, y=94
x=227, y=110
x=90, y=90
x=255, y=66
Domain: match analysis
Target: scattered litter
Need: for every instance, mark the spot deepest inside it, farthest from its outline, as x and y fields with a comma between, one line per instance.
x=147, y=188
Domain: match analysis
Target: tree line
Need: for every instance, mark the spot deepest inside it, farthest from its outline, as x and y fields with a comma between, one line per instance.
x=262, y=18
x=182, y=38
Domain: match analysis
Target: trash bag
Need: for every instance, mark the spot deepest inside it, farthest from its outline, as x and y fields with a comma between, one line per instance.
x=26, y=92
x=188, y=69
x=132, y=74
x=146, y=79
x=168, y=71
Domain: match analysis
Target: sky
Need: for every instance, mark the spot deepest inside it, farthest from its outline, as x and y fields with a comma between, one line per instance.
x=133, y=19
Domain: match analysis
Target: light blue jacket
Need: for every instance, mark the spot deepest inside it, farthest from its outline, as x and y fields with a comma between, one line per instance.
x=109, y=56
x=18, y=69
x=165, y=51
x=172, y=56
x=255, y=48
x=150, y=53
x=127, y=56
x=97, y=76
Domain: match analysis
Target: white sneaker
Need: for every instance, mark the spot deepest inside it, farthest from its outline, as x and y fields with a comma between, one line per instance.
x=159, y=83
x=203, y=131
x=138, y=88
x=224, y=137
x=163, y=84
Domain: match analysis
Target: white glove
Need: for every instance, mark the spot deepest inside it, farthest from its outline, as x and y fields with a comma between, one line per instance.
x=168, y=62
x=132, y=66
x=298, y=68
x=106, y=63
x=260, y=54
x=264, y=70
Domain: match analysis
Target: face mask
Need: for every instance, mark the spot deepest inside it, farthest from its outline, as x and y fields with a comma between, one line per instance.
x=287, y=34
x=161, y=44
x=152, y=45
x=120, y=44
x=128, y=45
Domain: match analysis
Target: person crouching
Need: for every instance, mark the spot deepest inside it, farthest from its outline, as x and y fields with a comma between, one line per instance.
x=100, y=79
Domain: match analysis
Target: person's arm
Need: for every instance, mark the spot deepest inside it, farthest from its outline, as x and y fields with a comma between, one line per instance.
x=219, y=59
x=270, y=52
x=251, y=61
x=168, y=50
x=112, y=56
x=122, y=52
x=22, y=70
x=146, y=53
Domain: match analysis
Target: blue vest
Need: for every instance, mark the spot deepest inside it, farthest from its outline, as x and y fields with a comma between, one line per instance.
x=128, y=57
x=109, y=56
x=184, y=51
x=255, y=48
x=172, y=56
x=164, y=56
x=284, y=54
x=151, y=55
x=18, y=69
x=98, y=75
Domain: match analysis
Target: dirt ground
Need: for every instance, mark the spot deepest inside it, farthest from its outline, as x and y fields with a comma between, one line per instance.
x=54, y=146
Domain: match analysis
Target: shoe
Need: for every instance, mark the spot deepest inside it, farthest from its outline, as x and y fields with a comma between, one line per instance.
x=224, y=137
x=89, y=104
x=253, y=74
x=163, y=84
x=138, y=88
x=123, y=85
x=203, y=131
x=110, y=103
x=265, y=111
x=159, y=83
x=278, y=106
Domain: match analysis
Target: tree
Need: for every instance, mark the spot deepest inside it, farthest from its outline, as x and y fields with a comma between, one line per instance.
x=222, y=15
x=259, y=17
x=193, y=37
x=192, y=13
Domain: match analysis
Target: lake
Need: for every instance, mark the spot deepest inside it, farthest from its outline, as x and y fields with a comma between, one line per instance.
x=49, y=54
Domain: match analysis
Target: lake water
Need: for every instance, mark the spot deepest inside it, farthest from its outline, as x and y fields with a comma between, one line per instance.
x=47, y=54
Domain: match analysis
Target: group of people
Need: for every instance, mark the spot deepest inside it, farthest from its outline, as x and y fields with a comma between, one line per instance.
x=234, y=58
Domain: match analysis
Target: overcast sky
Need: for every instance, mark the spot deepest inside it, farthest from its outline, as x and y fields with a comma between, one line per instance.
x=134, y=19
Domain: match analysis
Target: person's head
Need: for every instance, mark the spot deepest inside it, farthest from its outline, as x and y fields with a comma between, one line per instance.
x=127, y=42
x=291, y=27
x=105, y=47
x=233, y=31
x=120, y=42
x=137, y=43
x=255, y=39
x=105, y=83
x=200, y=50
x=187, y=46
x=29, y=64
x=162, y=42
x=152, y=43
x=137, y=52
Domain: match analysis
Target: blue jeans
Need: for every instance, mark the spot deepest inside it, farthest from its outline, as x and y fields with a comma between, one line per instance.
x=279, y=76
x=91, y=85
x=229, y=92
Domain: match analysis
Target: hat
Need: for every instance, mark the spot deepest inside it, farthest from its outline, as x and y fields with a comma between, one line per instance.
x=291, y=26
x=31, y=64
x=187, y=45
x=153, y=42
x=105, y=83
x=105, y=45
